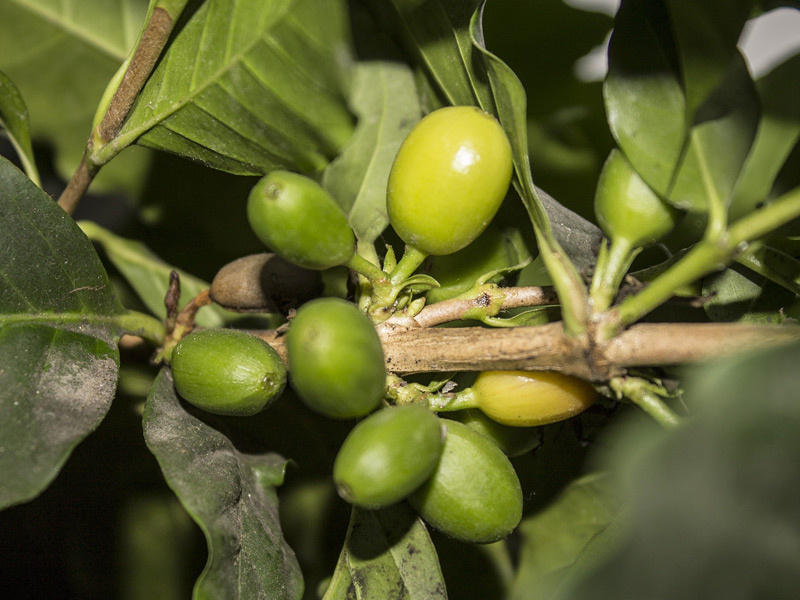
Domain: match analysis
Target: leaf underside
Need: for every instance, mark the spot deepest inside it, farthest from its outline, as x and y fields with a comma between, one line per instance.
x=247, y=87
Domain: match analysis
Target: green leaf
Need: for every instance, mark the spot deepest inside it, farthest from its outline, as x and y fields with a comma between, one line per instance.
x=740, y=295
x=149, y=276
x=437, y=34
x=561, y=223
x=385, y=100
x=61, y=56
x=230, y=494
x=14, y=118
x=388, y=554
x=733, y=294
x=553, y=539
x=778, y=132
x=706, y=34
x=713, y=511
x=682, y=108
x=773, y=264
x=58, y=330
x=557, y=224
x=247, y=87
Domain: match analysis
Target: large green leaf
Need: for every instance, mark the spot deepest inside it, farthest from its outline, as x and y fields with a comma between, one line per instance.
x=436, y=33
x=61, y=56
x=778, y=132
x=15, y=120
x=230, y=494
x=554, y=538
x=706, y=34
x=680, y=101
x=385, y=99
x=247, y=87
x=713, y=502
x=58, y=330
x=387, y=554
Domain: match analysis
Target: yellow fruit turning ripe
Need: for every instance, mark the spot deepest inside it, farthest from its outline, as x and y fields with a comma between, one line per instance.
x=527, y=398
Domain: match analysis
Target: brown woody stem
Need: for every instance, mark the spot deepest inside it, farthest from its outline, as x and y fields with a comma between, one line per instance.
x=547, y=348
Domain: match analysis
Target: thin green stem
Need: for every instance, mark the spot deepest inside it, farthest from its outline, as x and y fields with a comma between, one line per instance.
x=717, y=209
x=412, y=259
x=612, y=265
x=145, y=326
x=572, y=292
x=656, y=408
x=765, y=220
x=640, y=392
x=362, y=266
x=707, y=256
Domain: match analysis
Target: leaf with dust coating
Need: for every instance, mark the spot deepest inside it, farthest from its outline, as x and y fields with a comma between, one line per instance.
x=388, y=554
x=58, y=331
x=230, y=494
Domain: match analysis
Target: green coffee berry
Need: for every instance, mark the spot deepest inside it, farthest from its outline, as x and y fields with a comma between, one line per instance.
x=227, y=372
x=474, y=495
x=388, y=455
x=336, y=359
x=298, y=219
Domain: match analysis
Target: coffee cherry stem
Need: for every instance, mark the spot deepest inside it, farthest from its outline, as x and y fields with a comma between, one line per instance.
x=401, y=393
x=613, y=263
x=364, y=267
x=395, y=292
x=645, y=395
x=410, y=262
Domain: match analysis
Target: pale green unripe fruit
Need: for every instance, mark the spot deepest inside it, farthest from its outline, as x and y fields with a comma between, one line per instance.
x=474, y=495
x=227, y=372
x=388, y=455
x=299, y=220
x=513, y=441
x=627, y=209
x=336, y=359
x=449, y=179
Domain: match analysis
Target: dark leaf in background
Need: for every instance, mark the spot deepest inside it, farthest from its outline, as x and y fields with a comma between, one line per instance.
x=61, y=57
x=712, y=504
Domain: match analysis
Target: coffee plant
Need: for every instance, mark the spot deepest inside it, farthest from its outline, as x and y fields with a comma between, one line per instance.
x=360, y=299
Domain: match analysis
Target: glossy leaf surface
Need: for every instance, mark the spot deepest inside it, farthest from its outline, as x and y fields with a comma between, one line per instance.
x=680, y=101
x=15, y=120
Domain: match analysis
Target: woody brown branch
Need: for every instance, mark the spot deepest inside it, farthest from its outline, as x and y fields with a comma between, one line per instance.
x=547, y=348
